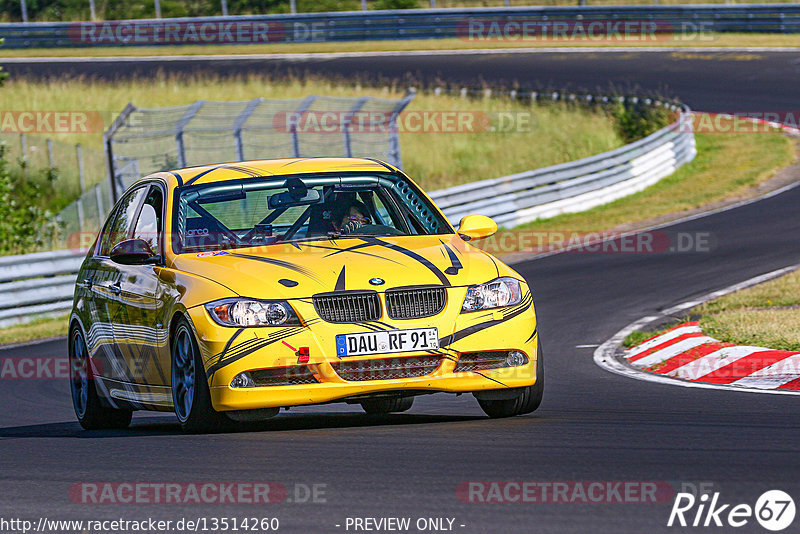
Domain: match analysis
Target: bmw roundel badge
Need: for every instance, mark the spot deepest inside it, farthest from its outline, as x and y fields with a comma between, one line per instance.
x=376, y=281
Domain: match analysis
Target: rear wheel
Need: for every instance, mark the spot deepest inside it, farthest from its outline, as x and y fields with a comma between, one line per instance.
x=190, y=393
x=387, y=405
x=527, y=401
x=91, y=414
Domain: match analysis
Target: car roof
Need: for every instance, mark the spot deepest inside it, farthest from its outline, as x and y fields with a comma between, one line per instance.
x=222, y=172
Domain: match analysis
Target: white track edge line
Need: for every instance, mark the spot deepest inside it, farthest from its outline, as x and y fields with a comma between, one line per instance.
x=395, y=53
x=605, y=355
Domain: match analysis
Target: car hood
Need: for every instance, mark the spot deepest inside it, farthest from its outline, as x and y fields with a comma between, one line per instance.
x=303, y=269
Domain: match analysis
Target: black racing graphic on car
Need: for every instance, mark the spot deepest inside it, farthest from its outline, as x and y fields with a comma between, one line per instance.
x=526, y=303
x=245, y=348
x=496, y=268
x=279, y=263
x=411, y=254
x=244, y=170
x=533, y=334
x=352, y=249
x=340, y=283
x=376, y=326
x=455, y=263
x=370, y=241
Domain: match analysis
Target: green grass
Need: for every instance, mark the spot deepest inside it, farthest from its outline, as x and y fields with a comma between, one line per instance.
x=726, y=40
x=640, y=336
x=559, y=132
x=61, y=10
x=766, y=315
x=41, y=328
x=726, y=166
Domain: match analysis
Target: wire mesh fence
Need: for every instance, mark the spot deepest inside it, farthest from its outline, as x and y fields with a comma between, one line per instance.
x=144, y=141
x=74, y=167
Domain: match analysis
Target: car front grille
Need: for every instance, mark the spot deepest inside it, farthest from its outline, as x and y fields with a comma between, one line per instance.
x=413, y=303
x=386, y=368
x=480, y=361
x=348, y=306
x=283, y=376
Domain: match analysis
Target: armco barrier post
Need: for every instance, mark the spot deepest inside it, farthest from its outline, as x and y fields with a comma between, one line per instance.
x=108, y=140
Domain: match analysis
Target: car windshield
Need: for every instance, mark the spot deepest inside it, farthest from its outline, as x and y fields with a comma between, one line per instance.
x=271, y=210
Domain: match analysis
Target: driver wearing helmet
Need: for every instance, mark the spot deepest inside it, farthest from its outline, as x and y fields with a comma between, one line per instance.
x=349, y=215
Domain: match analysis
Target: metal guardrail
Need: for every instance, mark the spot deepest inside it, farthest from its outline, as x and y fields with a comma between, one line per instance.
x=576, y=185
x=36, y=284
x=43, y=283
x=391, y=24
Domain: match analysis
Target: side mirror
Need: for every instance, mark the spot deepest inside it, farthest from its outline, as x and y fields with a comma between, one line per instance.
x=133, y=252
x=476, y=227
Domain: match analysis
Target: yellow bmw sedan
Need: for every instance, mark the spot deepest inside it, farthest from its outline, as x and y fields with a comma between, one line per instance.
x=226, y=292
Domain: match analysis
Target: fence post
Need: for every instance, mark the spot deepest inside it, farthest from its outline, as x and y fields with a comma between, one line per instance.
x=394, y=138
x=293, y=7
x=348, y=149
x=50, y=159
x=180, y=125
x=158, y=9
x=304, y=105
x=108, y=139
x=224, y=8
x=23, y=144
x=79, y=156
x=99, y=198
x=92, y=11
x=24, y=8
x=239, y=124
x=81, y=183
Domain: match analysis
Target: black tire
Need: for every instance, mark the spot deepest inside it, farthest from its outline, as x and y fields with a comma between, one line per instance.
x=91, y=414
x=190, y=393
x=387, y=405
x=527, y=402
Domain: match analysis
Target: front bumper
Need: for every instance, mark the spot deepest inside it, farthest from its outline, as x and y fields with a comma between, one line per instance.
x=230, y=351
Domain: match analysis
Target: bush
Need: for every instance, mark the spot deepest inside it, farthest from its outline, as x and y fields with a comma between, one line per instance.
x=636, y=120
x=396, y=4
x=24, y=226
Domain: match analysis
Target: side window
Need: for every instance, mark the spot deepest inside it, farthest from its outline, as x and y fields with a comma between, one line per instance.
x=118, y=230
x=149, y=224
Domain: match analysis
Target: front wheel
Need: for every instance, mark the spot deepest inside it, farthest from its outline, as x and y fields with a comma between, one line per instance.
x=91, y=414
x=527, y=401
x=388, y=405
x=190, y=392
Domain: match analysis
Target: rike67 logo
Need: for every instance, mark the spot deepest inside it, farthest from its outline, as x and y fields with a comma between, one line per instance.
x=774, y=510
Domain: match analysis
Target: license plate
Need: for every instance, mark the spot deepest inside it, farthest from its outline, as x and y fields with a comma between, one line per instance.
x=388, y=341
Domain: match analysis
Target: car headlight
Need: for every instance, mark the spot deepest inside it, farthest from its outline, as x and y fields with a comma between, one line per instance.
x=250, y=312
x=500, y=292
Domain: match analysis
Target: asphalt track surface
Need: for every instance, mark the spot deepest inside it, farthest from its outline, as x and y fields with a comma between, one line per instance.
x=592, y=425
